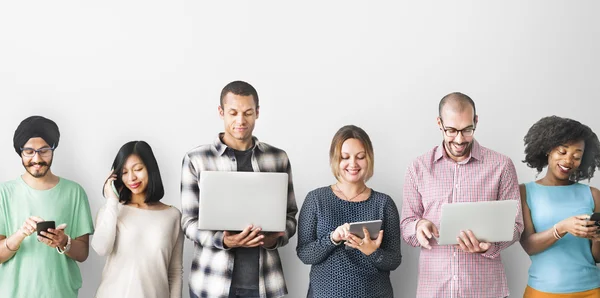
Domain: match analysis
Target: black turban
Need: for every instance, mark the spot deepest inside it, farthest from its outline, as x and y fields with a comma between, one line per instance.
x=33, y=127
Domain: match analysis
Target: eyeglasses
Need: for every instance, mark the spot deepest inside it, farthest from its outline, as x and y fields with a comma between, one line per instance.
x=44, y=151
x=453, y=132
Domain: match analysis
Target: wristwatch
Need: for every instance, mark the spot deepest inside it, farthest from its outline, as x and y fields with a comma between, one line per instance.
x=67, y=247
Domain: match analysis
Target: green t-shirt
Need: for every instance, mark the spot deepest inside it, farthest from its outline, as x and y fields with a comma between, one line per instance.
x=37, y=270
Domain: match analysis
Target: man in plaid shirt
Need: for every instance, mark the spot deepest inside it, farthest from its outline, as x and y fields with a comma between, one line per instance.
x=228, y=264
x=460, y=170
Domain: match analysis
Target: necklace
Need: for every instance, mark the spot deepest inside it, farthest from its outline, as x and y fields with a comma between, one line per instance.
x=354, y=197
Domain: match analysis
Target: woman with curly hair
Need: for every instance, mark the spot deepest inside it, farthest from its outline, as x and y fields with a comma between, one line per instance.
x=562, y=242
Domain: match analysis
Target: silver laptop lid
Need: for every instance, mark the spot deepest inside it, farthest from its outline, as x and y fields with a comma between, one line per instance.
x=230, y=201
x=490, y=221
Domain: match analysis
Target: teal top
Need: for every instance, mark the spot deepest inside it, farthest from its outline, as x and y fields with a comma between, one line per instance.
x=37, y=270
x=567, y=266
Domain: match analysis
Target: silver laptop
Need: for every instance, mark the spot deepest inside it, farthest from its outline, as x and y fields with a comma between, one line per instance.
x=230, y=201
x=490, y=221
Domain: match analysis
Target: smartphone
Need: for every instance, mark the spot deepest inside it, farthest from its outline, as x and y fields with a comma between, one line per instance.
x=44, y=226
x=115, y=188
x=596, y=217
x=117, y=185
x=112, y=183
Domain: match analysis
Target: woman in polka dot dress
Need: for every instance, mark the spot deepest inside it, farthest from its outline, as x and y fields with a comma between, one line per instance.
x=342, y=264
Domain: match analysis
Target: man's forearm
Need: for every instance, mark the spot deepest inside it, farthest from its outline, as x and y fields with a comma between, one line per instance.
x=79, y=250
x=9, y=246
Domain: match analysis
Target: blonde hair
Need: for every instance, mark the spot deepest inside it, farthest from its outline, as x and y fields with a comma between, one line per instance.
x=335, y=151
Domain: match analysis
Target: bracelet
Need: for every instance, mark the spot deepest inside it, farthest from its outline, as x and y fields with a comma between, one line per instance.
x=556, y=234
x=67, y=247
x=6, y=245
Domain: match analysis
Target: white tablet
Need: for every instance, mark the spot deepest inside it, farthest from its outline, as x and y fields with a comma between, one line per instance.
x=490, y=221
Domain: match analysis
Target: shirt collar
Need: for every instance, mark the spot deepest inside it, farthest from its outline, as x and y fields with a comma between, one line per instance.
x=221, y=148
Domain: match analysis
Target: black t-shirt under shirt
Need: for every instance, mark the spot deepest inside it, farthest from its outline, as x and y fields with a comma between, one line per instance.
x=245, y=269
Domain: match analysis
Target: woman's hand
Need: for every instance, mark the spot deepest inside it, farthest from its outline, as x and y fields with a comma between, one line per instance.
x=340, y=233
x=366, y=245
x=108, y=186
x=578, y=226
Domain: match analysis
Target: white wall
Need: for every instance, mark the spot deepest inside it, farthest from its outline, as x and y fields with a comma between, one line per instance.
x=113, y=71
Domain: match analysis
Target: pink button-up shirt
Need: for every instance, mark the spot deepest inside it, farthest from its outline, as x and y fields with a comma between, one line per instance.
x=435, y=179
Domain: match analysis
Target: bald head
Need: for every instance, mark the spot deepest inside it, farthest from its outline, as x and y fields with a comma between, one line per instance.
x=457, y=102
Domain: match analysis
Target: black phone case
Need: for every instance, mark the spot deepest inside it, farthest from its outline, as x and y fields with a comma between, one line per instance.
x=44, y=226
x=595, y=217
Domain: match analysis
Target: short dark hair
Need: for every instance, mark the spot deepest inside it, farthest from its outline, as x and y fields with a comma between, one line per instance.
x=239, y=88
x=460, y=98
x=155, y=190
x=552, y=131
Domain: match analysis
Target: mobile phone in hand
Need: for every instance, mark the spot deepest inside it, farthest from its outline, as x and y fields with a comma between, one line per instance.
x=44, y=226
x=595, y=217
x=114, y=188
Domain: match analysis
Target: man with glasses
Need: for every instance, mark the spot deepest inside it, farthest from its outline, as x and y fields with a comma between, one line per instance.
x=460, y=170
x=44, y=265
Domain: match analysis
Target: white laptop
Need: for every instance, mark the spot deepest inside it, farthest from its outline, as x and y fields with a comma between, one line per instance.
x=230, y=201
x=490, y=221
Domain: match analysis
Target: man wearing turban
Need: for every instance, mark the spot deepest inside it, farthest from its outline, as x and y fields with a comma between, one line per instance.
x=44, y=265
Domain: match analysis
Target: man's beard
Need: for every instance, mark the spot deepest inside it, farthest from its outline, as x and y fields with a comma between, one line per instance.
x=40, y=173
x=452, y=150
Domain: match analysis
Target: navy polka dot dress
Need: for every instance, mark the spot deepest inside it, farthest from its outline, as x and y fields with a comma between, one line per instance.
x=335, y=270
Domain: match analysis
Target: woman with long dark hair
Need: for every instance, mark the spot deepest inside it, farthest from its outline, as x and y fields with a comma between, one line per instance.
x=140, y=235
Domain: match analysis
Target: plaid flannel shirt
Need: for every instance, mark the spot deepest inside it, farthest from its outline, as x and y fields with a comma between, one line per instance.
x=212, y=264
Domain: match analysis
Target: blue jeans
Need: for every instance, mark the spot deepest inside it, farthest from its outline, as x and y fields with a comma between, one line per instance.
x=236, y=293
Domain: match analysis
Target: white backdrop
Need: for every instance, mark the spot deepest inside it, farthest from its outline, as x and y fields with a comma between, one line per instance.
x=113, y=71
